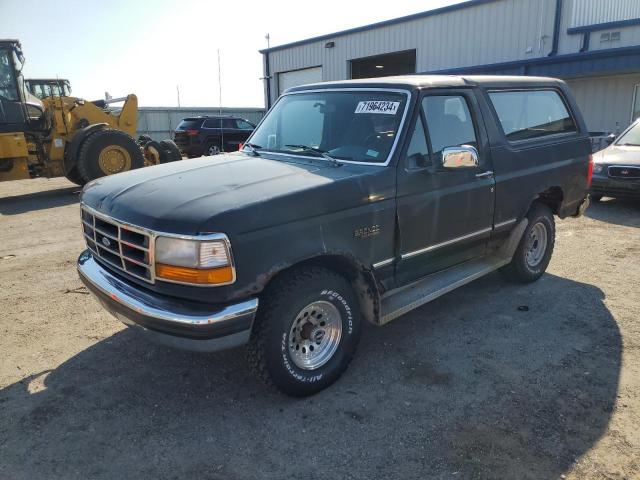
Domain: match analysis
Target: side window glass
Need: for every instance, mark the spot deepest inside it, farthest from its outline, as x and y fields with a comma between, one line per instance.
x=418, y=151
x=228, y=123
x=244, y=125
x=212, y=123
x=449, y=121
x=531, y=114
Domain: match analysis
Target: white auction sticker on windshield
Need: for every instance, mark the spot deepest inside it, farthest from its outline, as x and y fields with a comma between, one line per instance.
x=378, y=106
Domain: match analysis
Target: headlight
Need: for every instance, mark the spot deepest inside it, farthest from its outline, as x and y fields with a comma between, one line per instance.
x=597, y=168
x=201, y=262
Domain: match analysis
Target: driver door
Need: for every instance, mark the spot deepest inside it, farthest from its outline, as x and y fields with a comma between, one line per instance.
x=445, y=215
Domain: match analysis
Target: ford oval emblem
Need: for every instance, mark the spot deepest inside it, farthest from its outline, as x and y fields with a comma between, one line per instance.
x=106, y=242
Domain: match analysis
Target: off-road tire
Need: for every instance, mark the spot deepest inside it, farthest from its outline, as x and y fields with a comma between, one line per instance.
x=74, y=177
x=268, y=351
x=519, y=269
x=87, y=165
x=171, y=151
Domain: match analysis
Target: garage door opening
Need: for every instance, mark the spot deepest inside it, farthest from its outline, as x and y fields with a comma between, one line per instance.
x=399, y=63
x=298, y=77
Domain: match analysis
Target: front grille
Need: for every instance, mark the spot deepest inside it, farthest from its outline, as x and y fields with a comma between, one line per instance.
x=624, y=172
x=121, y=246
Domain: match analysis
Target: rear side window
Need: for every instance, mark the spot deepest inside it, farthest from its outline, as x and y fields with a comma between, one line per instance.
x=212, y=123
x=190, y=124
x=244, y=125
x=531, y=113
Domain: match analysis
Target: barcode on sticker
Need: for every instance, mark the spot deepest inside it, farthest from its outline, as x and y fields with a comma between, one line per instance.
x=378, y=106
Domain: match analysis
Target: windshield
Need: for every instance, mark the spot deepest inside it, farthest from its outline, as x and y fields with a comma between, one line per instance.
x=630, y=137
x=359, y=126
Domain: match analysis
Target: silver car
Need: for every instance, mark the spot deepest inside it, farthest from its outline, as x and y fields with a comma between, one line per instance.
x=616, y=169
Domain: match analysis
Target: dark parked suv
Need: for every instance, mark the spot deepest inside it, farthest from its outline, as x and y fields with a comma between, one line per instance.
x=352, y=201
x=198, y=136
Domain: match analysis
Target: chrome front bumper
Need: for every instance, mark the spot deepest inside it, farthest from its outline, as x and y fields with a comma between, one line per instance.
x=178, y=323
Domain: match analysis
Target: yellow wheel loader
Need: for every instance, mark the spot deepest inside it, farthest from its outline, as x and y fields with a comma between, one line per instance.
x=67, y=136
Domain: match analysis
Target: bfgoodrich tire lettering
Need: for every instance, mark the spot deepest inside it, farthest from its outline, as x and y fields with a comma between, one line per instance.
x=282, y=304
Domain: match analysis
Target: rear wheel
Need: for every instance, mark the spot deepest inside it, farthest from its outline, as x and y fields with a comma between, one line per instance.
x=107, y=152
x=153, y=153
x=172, y=152
x=533, y=254
x=212, y=149
x=74, y=176
x=306, y=331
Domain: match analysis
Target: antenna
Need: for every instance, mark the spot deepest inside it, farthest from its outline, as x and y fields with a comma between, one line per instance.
x=220, y=104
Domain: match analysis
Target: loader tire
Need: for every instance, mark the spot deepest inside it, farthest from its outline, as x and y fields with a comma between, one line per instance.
x=107, y=152
x=74, y=177
x=172, y=152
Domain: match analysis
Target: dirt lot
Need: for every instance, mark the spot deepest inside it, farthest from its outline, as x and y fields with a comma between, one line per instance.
x=492, y=381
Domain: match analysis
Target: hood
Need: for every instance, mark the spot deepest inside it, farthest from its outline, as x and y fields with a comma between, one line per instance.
x=233, y=193
x=618, y=155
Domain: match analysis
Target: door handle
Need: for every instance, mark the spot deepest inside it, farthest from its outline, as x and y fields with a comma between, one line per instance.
x=486, y=174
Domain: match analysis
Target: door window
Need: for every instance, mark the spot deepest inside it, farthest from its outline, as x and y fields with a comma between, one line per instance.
x=418, y=150
x=7, y=78
x=449, y=122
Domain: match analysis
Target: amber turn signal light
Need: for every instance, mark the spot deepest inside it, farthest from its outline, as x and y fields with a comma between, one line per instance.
x=209, y=276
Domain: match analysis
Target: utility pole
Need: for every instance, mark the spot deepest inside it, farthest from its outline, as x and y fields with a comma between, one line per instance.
x=220, y=103
x=178, y=90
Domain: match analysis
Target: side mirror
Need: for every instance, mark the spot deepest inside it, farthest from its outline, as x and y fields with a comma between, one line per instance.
x=610, y=138
x=464, y=156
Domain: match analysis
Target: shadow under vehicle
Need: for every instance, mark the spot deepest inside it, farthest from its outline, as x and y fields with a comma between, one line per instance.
x=468, y=385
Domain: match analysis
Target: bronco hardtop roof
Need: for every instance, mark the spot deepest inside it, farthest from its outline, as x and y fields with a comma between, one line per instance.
x=411, y=82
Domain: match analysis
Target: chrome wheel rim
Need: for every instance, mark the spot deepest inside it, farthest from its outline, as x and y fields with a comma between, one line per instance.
x=315, y=335
x=213, y=150
x=536, y=244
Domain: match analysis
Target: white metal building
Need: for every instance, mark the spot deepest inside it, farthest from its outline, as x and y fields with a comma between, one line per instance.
x=593, y=44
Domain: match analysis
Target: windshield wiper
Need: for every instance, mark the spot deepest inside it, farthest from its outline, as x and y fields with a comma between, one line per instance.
x=322, y=153
x=253, y=148
x=629, y=145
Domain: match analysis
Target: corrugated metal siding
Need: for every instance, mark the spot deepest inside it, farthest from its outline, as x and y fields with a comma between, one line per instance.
x=159, y=122
x=489, y=33
x=572, y=43
x=591, y=12
x=605, y=102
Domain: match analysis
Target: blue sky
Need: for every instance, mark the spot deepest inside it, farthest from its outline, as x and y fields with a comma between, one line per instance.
x=149, y=47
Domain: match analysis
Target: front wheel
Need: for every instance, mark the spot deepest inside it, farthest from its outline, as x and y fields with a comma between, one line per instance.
x=533, y=254
x=306, y=332
x=107, y=152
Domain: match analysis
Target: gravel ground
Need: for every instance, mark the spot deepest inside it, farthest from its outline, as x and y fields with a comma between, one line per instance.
x=491, y=381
